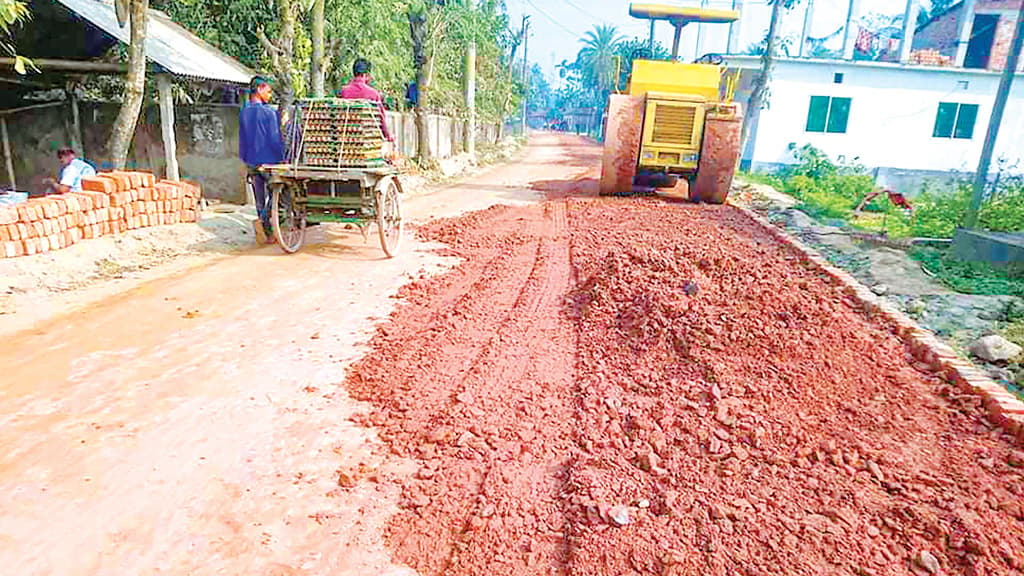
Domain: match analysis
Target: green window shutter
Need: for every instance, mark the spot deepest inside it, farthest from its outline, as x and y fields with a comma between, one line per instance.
x=817, y=116
x=839, y=115
x=965, y=121
x=945, y=120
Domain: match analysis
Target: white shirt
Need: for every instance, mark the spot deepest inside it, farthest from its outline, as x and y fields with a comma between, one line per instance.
x=72, y=174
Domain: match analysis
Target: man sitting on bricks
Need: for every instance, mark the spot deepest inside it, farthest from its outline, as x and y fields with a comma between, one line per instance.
x=359, y=89
x=259, y=144
x=73, y=169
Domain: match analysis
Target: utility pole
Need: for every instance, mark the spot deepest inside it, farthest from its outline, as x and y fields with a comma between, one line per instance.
x=981, y=176
x=806, y=33
x=849, y=36
x=526, y=72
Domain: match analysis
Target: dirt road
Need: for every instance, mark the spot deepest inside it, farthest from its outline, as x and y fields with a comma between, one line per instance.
x=195, y=425
x=597, y=387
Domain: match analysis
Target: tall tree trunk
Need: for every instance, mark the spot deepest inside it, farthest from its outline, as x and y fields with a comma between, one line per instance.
x=134, y=87
x=422, y=60
x=282, y=56
x=318, y=69
x=760, y=88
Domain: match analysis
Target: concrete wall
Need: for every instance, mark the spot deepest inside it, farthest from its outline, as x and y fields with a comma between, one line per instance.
x=892, y=115
x=207, y=141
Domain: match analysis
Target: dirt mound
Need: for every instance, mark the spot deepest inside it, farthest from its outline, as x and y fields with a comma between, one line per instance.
x=609, y=387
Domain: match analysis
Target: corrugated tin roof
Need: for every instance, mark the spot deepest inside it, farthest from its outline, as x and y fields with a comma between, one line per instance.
x=170, y=46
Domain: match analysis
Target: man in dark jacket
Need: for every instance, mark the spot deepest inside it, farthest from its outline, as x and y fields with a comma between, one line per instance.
x=260, y=143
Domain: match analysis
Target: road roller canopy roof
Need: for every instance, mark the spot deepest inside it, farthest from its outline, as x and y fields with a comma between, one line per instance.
x=681, y=16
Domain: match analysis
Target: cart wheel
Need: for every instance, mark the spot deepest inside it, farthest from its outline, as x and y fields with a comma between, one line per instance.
x=389, y=217
x=289, y=219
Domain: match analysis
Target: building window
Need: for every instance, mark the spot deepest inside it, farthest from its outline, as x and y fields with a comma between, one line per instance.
x=955, y=121
x=828, y=114
x=839, y=77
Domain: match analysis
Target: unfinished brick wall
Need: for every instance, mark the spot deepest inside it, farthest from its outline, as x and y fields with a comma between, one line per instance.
x=110, y=203
x=1002, y=43
x=940, y=34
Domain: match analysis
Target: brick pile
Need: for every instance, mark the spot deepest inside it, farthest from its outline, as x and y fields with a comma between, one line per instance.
x=110, y=203
x=930, y=58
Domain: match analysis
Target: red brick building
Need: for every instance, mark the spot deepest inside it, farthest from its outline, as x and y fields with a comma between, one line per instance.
x=991, y=26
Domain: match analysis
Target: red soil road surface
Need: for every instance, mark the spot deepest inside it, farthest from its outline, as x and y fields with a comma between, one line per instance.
x=633, y=387
x=669, y=367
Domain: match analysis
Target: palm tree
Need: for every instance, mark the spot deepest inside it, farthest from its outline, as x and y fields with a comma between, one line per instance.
x=596, y=59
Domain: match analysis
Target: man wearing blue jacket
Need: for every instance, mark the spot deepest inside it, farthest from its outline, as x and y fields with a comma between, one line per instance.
x=260, y=143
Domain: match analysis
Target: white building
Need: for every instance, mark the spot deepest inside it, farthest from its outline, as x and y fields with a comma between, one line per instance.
x=910, y=121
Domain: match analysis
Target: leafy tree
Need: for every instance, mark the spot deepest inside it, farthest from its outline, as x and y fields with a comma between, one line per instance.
x=231, y=25
x=282, y=53
x=602, y=66
x=377, y=30
x=940, y=6
x=758, y=48
x=374, y=29
x=12, y=14
x=541, y=94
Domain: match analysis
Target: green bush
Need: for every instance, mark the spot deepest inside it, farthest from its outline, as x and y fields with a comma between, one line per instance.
x=1004, y=210
x=829, y=190
x=823, y=188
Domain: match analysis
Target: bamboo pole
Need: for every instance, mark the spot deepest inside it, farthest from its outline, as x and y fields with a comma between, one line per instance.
x=167, y=126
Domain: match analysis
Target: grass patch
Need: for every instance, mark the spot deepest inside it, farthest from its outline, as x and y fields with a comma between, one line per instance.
x=968, y=277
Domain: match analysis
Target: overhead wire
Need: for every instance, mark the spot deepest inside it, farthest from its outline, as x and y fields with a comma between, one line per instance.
x=551, y=19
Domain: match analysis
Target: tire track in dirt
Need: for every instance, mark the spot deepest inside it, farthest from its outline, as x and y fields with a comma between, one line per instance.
x=515, y=371
x=641, y=388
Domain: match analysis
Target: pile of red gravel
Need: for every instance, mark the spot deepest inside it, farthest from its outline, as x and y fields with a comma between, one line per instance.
x=630, y=387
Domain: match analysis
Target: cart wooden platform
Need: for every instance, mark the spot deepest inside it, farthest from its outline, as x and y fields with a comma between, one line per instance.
x=363, y=197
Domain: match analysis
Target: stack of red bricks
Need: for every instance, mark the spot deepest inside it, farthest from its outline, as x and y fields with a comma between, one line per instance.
x=930, y=58
x=110, y=203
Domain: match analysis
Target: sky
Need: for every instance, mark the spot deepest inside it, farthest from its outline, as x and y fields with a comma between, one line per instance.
x=557, y=25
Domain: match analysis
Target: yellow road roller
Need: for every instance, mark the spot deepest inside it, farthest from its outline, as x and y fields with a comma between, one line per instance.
x=675, y=130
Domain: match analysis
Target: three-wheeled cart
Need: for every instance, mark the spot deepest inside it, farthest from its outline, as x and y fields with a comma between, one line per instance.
x=336, y=174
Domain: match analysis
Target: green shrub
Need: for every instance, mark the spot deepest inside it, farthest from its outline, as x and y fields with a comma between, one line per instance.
x=830, y=190
x=1004, y=210
x=968, y=277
